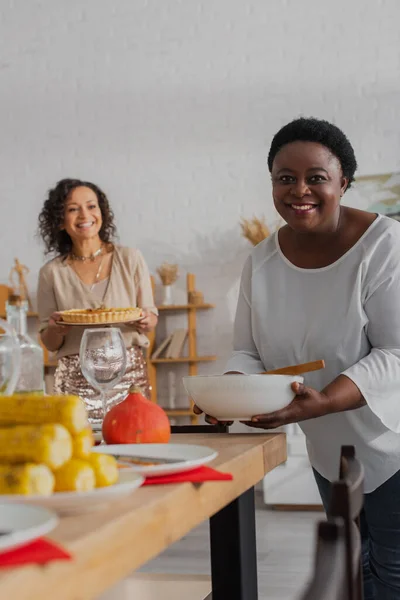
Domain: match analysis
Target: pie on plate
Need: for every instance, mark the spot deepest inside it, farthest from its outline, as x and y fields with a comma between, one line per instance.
x=101, y=315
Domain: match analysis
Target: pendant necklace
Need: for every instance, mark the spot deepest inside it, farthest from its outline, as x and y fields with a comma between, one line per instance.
x=96, y=279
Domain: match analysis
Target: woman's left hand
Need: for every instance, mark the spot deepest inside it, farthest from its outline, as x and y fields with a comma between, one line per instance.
x=146, y=323
x=307, y=404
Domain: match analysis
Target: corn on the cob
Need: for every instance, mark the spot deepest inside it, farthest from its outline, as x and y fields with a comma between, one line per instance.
x=47, y=444
x=105, y=469
x=75, y=476
x=27, y=409
x=82, y=444
x=27, y=479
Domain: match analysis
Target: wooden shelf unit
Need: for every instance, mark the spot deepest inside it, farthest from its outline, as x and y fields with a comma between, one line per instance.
x=191, y=360
x=180, y=307
x=178, y=412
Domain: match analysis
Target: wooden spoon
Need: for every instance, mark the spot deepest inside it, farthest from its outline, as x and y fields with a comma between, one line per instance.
x=314, y=365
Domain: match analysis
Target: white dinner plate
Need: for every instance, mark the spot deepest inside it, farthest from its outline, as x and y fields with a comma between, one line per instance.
x=186, y=457
x=78, y=502
x=20, y=524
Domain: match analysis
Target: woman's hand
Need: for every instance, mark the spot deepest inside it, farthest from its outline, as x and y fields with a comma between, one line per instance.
x=307, y=404
x=340, y=395
x=53, y=336
x=208, y=418
x=212, y=420
x=56, y=329
x=146, y=323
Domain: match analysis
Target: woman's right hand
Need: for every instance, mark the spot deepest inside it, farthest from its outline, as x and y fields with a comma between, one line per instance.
x=209, y=419
x=53, y=326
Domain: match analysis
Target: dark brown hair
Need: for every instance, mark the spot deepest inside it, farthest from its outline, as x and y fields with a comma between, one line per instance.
x=52, y=214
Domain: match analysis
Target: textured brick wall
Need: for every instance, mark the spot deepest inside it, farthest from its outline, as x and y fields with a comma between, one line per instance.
x=170, y=106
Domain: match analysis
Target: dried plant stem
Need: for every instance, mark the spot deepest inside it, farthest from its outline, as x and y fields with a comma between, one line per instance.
x=168, y=273
x=255, y=230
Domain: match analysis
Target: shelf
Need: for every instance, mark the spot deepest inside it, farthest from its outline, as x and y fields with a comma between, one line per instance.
x=31, y=314
x=184, y=359
x=185, y=306
x=189, y=311
x=179, y=412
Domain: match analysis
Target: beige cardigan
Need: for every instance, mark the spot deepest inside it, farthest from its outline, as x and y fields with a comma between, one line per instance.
x=129, y=284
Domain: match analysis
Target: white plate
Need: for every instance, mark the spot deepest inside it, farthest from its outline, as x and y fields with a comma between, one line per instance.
x=79, y=502
x=24, y=524
x=192, y=457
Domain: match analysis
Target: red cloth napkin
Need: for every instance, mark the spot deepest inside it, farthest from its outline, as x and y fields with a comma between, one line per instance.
x=195, y=476
x=39, y=551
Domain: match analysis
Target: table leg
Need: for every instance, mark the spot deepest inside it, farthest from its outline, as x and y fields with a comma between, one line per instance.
x=233, y=550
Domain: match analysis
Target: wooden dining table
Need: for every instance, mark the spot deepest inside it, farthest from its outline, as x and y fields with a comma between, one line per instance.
x=108, y=544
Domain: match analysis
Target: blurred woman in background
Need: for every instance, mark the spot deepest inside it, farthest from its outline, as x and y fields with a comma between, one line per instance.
x=90, y=270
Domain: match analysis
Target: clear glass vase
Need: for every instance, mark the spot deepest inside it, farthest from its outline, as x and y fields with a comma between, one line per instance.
x=10, y=359
x=31, y=378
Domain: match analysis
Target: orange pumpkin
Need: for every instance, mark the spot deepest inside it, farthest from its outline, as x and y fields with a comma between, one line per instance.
x=136, y=420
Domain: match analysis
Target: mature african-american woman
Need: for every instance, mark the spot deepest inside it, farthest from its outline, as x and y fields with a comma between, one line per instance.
x=327, y=286
x=77, y=224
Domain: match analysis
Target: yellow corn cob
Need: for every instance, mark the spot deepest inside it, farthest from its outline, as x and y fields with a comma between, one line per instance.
x=105, y=469
x=47, y=444
x=27, y=409
x=75, y=476
x=28, y=479
x=82, y=444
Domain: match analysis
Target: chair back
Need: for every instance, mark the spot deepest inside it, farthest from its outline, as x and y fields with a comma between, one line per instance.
x=352, y=472
x=329, y=581
x=346, y=502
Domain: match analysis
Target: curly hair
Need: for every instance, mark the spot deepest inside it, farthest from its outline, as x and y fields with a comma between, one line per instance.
x=321, y=132
x=51, y=217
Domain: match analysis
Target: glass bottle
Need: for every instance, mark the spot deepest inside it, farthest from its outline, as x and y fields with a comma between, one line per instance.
x=31, y=379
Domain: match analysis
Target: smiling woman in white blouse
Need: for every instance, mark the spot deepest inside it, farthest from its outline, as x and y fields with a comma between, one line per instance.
x=89, y=269
x=327, y=286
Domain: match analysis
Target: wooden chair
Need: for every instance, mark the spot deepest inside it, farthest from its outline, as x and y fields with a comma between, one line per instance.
x=346, y=502
x=329, y=579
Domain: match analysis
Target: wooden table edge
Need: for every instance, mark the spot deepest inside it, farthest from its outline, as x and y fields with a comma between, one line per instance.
x=95, y=568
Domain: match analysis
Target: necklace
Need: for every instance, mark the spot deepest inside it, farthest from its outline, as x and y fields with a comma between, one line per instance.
x=91, y=257
x=97, y=274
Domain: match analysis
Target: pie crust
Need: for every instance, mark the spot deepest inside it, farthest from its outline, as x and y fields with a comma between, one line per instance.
x=101, y=315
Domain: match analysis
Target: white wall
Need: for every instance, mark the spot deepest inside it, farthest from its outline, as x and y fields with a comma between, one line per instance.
x=170, y=106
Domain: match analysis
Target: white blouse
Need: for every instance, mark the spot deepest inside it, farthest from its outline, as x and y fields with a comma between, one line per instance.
x=348, y=314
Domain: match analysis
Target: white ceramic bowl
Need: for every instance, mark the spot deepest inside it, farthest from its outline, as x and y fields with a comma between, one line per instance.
x=240, y=397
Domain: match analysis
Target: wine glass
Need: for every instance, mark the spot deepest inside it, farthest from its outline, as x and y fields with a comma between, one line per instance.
x=103, y=360
x=10, y=359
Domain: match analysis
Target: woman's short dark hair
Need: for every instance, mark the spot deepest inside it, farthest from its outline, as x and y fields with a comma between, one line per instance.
x=51, y=217
x=321, y=132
